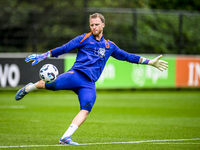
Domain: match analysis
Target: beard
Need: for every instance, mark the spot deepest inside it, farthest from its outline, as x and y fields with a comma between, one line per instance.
x=96, y=33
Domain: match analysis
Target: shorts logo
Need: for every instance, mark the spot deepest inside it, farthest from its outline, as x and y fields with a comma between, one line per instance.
x=71, y=72
x=100, y=52
x=87, y=105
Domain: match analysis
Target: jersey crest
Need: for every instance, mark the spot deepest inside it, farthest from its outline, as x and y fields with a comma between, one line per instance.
x=100, y=52
x=107, y=45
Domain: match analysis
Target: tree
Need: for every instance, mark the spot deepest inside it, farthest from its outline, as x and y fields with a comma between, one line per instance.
x=175, y=4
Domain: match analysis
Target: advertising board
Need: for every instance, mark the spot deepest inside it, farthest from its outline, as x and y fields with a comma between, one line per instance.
x=121, y=74
x=16, y=72
x=183, y=71
x=187, y=71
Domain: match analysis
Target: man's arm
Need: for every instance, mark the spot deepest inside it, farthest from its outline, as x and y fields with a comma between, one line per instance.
x=125, y=56
x=73, y=44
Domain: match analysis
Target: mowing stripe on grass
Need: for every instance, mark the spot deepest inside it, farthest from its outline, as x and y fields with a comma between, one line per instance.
x=13, y=107
x=130, y=142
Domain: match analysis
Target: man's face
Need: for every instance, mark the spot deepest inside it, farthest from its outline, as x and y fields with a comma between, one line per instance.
x=96, y=26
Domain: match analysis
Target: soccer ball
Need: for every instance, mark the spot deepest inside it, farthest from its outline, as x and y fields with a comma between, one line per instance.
x=48, y=73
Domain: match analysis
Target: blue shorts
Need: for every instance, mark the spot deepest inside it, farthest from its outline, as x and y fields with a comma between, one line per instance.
x=78, y=82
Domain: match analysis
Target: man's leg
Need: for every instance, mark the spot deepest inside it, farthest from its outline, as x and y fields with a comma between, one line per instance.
x=87, y=97
x=77, y=121
x=28, y=88
x=80, y=117
x=40, y=84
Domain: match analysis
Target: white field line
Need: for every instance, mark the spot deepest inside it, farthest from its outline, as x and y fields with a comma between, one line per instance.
x=106, y=143
x=177, y=143
x=146, y=141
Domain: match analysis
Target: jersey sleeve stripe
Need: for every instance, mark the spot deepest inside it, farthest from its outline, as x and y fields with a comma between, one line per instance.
x=86, y=36
x=111, y=42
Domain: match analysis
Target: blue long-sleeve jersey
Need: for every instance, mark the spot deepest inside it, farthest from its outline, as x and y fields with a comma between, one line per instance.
x=92, y=54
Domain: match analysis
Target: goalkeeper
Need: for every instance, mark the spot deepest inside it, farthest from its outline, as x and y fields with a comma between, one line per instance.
x=92, y=55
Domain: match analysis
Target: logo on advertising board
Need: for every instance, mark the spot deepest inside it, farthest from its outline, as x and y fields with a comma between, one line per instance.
x=188, y=72
x=108, y=73
x=10, y=74
x=194, y=74
x=142, y=75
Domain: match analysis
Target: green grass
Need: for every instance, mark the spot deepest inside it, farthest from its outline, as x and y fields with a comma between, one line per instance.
x=42, y=117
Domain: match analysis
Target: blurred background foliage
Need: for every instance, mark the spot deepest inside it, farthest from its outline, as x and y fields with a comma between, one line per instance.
x=139, y=26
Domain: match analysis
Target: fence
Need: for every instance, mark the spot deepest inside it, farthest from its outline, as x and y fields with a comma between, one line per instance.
x=134, y=30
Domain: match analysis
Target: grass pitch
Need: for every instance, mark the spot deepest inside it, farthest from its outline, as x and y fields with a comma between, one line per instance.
x=119, y=120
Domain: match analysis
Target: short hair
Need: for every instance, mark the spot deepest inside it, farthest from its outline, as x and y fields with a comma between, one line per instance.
x=95, y=15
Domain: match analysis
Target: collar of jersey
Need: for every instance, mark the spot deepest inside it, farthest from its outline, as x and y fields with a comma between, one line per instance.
x=102, y=38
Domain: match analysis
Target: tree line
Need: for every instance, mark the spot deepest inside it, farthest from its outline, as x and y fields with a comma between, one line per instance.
x=37, y=26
